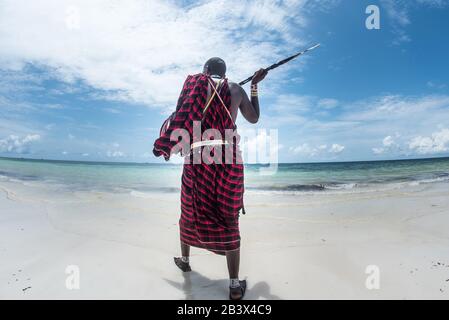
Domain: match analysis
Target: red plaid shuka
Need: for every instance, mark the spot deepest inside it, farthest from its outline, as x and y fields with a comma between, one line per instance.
x=211, y=194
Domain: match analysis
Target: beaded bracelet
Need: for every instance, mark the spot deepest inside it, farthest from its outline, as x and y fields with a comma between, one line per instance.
x=254, y=92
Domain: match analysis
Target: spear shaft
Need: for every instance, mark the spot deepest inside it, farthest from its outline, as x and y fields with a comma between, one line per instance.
x=277, y=64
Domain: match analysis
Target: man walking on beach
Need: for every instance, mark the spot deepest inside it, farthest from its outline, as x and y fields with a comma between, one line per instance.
x=212, y=190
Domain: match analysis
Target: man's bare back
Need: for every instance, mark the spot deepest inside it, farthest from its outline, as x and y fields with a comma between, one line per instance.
x=240, y=100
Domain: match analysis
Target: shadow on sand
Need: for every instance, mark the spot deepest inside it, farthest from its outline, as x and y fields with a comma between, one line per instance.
x=196, y=286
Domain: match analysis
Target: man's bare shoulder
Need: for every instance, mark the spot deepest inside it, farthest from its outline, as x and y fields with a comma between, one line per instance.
x=235, y=88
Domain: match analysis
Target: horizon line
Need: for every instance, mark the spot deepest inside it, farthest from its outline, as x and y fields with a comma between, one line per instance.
x=168, y=163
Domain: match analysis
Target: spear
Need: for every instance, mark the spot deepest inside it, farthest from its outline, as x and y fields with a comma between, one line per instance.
x=273, y=66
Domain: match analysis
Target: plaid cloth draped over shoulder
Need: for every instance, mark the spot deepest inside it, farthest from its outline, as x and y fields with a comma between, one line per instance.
x=211, y=193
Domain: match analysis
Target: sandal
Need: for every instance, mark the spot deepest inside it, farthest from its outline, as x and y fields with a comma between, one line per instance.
x=241, y=289
x=184, y=266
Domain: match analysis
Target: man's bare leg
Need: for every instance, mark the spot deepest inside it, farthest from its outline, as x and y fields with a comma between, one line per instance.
x=233, y=260
x=185, y=250
x=183, y=262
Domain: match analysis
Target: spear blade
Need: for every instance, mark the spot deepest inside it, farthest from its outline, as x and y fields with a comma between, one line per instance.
x=277, y=64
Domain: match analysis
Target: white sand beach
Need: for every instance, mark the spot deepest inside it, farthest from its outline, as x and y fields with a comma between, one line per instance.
x=293, y=247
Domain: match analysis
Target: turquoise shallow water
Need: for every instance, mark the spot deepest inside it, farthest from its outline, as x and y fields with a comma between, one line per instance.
x=314, y=177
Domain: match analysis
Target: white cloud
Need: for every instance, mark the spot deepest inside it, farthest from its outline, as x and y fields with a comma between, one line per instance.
x=394, y=106
x=111, y=110
x=327, y=103
x=292, y=103
x=438, y=142
x=306, y=150
x=141, y=50
x=434, y=3
x=322, y=147
x=399, y=14
x=388, y=141
x=296, y=109
x=16, y=144
x=378, y=150
x=388, y=144
x=337, y=148
x=115, y=154
x=362, y=125
x=435, y=85
x=397, y=11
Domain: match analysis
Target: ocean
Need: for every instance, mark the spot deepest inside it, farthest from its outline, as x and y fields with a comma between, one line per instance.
x=295, y=178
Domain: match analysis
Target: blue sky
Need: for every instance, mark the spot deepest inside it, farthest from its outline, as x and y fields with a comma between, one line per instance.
x=93, y=81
